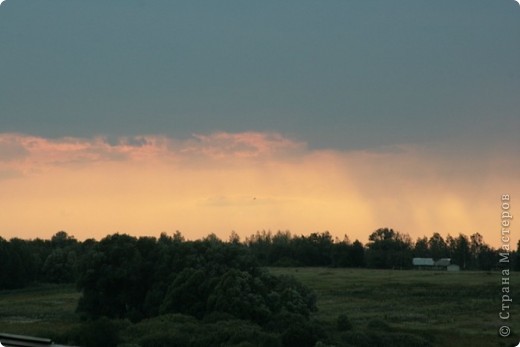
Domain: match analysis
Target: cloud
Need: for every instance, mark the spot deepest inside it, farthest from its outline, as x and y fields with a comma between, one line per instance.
x=9, y=174
x=243, y=145
x=69, y=150
x=246, y=182
x=11, y=149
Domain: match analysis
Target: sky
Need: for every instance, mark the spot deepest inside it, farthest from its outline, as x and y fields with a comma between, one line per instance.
x=144, y=117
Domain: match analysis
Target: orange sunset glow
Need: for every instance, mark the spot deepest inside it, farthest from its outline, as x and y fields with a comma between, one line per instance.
x=262, y=173
x=244, y=182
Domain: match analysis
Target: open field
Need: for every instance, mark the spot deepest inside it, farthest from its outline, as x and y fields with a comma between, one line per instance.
x=45, y=310
x=458, y=309
x=451, y=309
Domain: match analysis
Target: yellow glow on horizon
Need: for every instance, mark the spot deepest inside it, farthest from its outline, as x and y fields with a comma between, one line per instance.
x=240, y=182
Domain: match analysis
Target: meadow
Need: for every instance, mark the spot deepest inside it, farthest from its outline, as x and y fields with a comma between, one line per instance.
x=42, y=310
x=452, y=309
x=448, y=309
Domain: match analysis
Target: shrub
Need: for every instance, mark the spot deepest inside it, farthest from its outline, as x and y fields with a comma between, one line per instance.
x=398, y=340
x=234, y=333
x=343, y=323
x=174, y=324
x=165, y=340
x=102, y=332
x=216, y=316
x=356, y=338
x=298, y=336
x=378, y=325
x=296, y=329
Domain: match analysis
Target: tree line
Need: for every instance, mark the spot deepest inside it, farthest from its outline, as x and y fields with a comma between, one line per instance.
x=62, y=258
x=386, y=249
x=208, y=286
x=211, y=292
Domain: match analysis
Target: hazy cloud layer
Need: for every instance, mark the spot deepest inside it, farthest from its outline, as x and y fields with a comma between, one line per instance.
x=245, y=182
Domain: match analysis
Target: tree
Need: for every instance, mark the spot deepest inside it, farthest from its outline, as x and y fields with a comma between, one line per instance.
x=21, y=268
x=314, y=250
x=280, y=251
x=459, y=248
x=476, y=248
x=421, y=248
x=260, y=246
x=341, y=254
x=487, y=258
x=59, y=266
x=345, y=254
x=188, y=293
x=516, y=258
x=241, y=295
x=5, y=255
x=111, y=281
x=389, y=249
x=357, y=254
x=438, y=247
x=62, y=240
x=234, y=238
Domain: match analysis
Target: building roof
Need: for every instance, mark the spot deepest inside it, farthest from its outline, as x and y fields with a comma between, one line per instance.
x=11, y=340
x=443, y=262
x=423, y=262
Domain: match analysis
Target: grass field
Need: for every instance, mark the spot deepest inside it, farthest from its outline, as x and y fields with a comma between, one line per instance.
x=454, y=309
x=457, y=309
x=45, y=310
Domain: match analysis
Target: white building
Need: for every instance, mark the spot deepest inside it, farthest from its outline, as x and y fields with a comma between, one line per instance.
x=423, y=262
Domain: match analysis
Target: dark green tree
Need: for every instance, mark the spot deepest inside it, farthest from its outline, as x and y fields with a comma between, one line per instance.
x=59, y=267
x=357, y=254
x=516, y=258
x=421, y=248
x=389, y=249
x=460, y=250
x=438, y=247
x=110, y=279
x=476, y=248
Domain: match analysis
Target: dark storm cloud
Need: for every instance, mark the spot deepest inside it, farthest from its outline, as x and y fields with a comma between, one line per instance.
x=337, y=74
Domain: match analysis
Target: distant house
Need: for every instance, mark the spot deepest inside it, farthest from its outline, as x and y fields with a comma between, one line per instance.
x=430, y=264
x=443, y=263
x=423, y=263
x=10, y=340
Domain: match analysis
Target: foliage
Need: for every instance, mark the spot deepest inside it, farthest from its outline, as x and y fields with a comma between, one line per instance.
x=59, y=267
x=372, y=338
x=295, y=330
x=424, y=308
x=444, y=308
x=210, y=292
x=125, y=277
x=101, y=332
x=182, y=330
x=343, y=323
x=111, y=279
x=378, y=325
x=389, y=249
x=63, y=259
